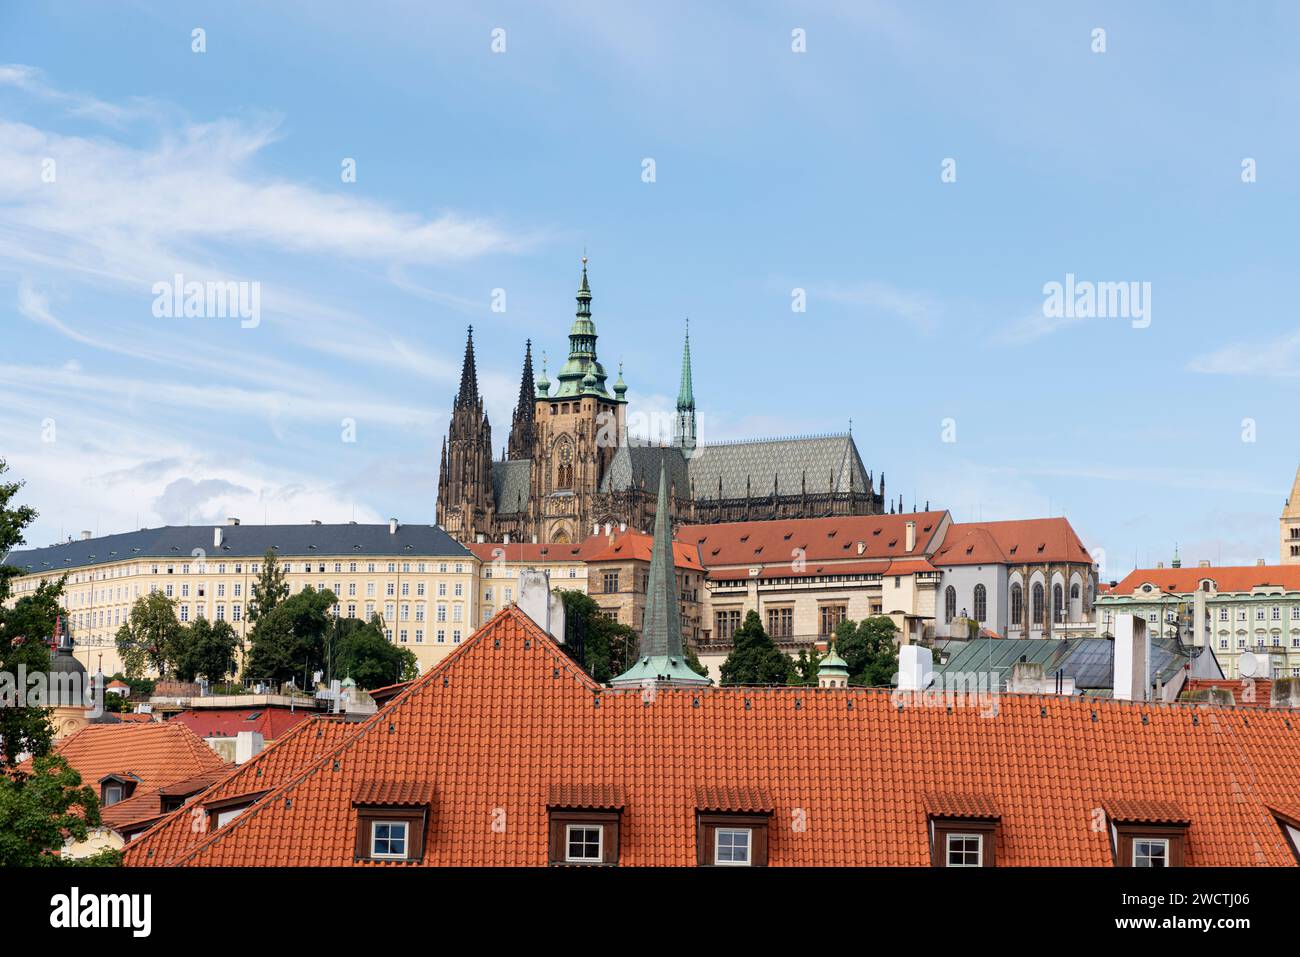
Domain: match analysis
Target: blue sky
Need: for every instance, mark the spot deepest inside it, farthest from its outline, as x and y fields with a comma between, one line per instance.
x=774, y=171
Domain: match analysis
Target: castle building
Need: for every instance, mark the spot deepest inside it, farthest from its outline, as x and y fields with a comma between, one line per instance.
x=570, y=465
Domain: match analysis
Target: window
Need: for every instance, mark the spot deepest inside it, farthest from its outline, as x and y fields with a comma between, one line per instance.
x=1151, y=852
x=831, y=615
x=780, y=622
x=1058, y=605
x=583, y=843
x=1017, y=603
x=611, y=582
x=1037, y=603
x=112, y=794
x=949, y=603
x=726, y=622
x=388, y=839
x=732, y=840
x=982, y=603
x=965, y=850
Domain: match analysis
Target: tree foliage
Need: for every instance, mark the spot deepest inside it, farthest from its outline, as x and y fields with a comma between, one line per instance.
x=288, y=641
x=38, y=810
x=359, y=651
x=150, y=637
x=868, y=648
x=755, y=659
x=269, y=590
x=205, y=649
x=805, y=667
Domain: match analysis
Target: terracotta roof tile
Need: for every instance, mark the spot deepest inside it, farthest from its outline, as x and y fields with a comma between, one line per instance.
x=586, y=796
x=1226, y=579
x=811, y=540
x=960, y=804
x=507, y=715
x=1027, y=540
x=393, y=793
x=738, y=799
x=271, y=723
x=1148, y=811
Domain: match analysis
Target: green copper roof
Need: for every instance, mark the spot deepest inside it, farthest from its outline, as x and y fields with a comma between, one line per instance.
x=661, y=658
x=686, y=393
x=572, y=377
x=833, y=664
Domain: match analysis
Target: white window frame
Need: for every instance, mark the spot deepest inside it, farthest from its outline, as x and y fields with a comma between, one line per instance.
x=568, y=843
x=749, y=846
x=406, y=840
x=1162, y=841
x=948, y=848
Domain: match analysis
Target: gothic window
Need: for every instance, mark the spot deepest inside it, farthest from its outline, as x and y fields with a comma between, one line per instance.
x=1017, y=603
x=1058, y=605
x=1074, y=591
x=981, y=603
x=949, y=603
x=1037, y=603
x=564, y=468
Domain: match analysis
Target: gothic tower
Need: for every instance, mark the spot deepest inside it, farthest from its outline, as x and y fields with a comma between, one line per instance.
x=684, y=426
x=465, y=499
x=1291, y=525
x=523, y=430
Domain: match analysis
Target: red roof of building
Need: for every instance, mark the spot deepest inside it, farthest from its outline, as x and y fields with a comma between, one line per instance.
x=1027, y=540
x=270, y=722
x=1239, y=578
x=1246, y=692
x=154, y=755
x=496, y=725
x=783, y=542
x=636, y=546
x=526, y=552
x=175, y=834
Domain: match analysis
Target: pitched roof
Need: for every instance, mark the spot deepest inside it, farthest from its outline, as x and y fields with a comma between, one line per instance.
x=271, y=723
x=526, y=551
x=507, y=717
x=512, y=485
x=175, y=833
x=783, y=543
x=1089, y=661
x=1026, y=540
x=819, y=463
x=1233, y=578
x=617, y=546
x=179, y=542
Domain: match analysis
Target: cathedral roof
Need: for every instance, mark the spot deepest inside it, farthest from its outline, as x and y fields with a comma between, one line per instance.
x=512, y=485
x=827, y=463
x=637, y=466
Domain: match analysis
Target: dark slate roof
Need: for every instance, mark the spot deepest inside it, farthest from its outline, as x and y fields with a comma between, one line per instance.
x=187, y=542
x=512, y=485
x=829, y=462
x=1089, y=661
x=637, y=466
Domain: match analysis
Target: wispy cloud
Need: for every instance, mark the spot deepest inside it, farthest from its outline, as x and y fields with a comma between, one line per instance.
x=1279, y=358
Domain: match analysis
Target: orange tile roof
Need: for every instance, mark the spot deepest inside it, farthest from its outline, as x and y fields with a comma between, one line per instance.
x=802, y=570
x=270, y=722
x=961, y=804
x=1246, y=692
x=1232, y=578
x=393, y=793
x=175, y=834
x=507, y=716
x=526, y=552
x=1027, y=540
x=617, y=546
x=586, y=796
x=1130, y=811
x=782, y=541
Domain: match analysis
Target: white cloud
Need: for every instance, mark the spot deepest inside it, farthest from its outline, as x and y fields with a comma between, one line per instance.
x=1279, y=358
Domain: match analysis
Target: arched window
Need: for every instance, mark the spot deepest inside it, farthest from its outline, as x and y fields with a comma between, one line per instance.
x=564, y=468
x=1074, y=591
x=981, y=604
x=1058, y=605
x=949, y=603
x=1036, y=604
x=1017, y=603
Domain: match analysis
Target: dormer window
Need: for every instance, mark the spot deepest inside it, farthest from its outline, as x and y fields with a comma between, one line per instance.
x=115, y=788
x=1147, y=833
x=392, y=817
x=962, y=828
x=584, y=824
x=732, y=827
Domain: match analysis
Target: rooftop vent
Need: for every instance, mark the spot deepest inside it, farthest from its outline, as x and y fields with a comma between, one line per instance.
x=85, y=536
x=232, y=521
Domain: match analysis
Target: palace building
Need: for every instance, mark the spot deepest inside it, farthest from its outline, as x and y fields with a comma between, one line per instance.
x=570, y=465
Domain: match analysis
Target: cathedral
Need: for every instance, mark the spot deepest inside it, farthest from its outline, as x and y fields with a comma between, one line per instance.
x=570, y=464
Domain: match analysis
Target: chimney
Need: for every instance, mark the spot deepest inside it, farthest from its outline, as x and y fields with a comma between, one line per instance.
x=910, y=537
x=1285, y=693
x=85, y=536
x=534, y=539
x=622, y=526
x=505, y=539
x=248, y=744
x=609, y=527
x=1259, y=561
x=1132, y=672
x=216, y=537
x=862, y=547
x=1203, y=563
x=915, y=667
x=480, y=538
x=1026, y=677
x=538, y=602
x=595, y=528
x=232, y=521
x=315, y=521
x=1205, y=697
x=1160, y=564
x=392, y=526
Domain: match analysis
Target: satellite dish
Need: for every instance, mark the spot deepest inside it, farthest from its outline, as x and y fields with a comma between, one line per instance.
x=1247, y=665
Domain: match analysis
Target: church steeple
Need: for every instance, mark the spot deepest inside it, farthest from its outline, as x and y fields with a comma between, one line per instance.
x=573, y=377
x=465, y=497
x=523, y=428
x=468, y=373
x=661, y=660
x=684, y=426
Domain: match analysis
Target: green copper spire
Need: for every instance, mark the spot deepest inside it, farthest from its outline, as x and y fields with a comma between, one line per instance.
x=661, y=660
x=833, y=671
x=582, y=350
x=684, y=425
x=620, y=387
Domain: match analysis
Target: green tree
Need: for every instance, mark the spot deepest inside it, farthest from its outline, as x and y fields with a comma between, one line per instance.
x=805, y=667
x=868, y=648
x=269, y=590
x=361, y=652
x=755, y=659
x=150, y=635
x=609, y=648
x=288, y=642
x=205, y=649
x=38, y=810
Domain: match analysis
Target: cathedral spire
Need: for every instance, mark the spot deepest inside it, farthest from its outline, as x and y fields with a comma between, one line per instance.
x=573, y=377
x=684, y=425
x=468, y=373
x=523, y=429
x=662, y=660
